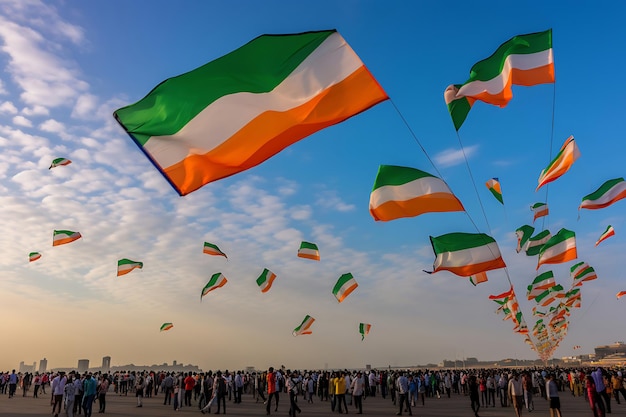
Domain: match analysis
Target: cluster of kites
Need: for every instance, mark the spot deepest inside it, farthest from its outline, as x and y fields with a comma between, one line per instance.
x=233, y=113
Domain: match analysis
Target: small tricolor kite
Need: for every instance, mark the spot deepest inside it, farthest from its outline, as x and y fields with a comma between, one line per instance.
x=608, y=193
x=59, y=162
x=304, y=327
x=124, y=266
x=217, y=280
x=309, y=250
x=560, y=248
x=33, y=256
x=344, y=286
x=522, y=60
x=364, y=329
x=265, y=280
x=466, y=254
x=535, y=243
x=408, y=192
x=494, y=186
x=610, y=231
x=61, y=237
x=523, y=233
x=166, y=327
x=563, y=161
x=237, y=111
x=539, y=210
x=620, y=294
x=478, y=278
x=582, y=272
x=211, y=249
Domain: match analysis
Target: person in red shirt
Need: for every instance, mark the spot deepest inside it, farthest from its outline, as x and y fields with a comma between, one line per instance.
x=271, y=389
x=189, y=382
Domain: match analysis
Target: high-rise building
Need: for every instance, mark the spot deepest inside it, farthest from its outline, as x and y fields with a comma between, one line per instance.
x=106, y=363
x=83, y=365
x=43, y=365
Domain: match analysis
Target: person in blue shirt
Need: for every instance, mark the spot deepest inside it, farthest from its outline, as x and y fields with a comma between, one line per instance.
x=89, y=393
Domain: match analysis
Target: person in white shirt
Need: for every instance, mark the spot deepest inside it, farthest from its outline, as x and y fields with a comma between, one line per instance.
x=58, y=389
x=516, y=394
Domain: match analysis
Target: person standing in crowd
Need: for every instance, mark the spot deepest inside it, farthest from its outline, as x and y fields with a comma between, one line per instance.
x=219, y=386
x=78, y=394
x=70, y=395
x=616, y=381
x=402, y=393
x=292, y=391
x=13, y=379
x=358, y=389
x=552, y=393
x=340, y=393
x=37, y=382
x=89, y=393
x=474, y=394
x=593, y=397
x=516, y=394
x=103, y=388
x=503, y=384
x=238, y=387
x=527, y=384
x=189, y=383
x=168, y=389
x=58, y=389
x=140, y=385
x=604, y=401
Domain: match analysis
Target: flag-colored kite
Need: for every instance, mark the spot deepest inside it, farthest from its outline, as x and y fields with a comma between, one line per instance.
x=560, y=248
x=33, y=256
x=309, y=250
x=539, y=210
x=522, y=60
x=542, y=282
x=265, y=280
x=500, y=297
x=466, y=254
x=582, y=272
x=58, y=162
x=124, y=266
x=523, y=233
x=620, y=294
x=237, y=111
x=211, y=249
x=61, y=237
x=572, y=297
x=548, y=296
x=344, y=286
x=364, y=329
x=217, y=280
x=608, y=193
x=610, y=231
x=535, y=243
x=407, y=192
x=494, y=186
x=304, y=327
x=166, y=327
x=563, y=161
x=478, y=278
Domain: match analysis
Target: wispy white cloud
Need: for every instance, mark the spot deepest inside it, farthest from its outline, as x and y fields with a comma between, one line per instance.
x=452, y=157
x=330, y=200
x=35, y=110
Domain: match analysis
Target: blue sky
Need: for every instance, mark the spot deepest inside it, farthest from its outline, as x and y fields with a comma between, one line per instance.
x=66, y=66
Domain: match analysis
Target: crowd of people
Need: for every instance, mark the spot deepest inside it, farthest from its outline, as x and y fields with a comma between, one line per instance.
x=74, y=393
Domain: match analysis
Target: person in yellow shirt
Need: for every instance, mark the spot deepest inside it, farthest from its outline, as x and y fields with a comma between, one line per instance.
x=340, y=392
